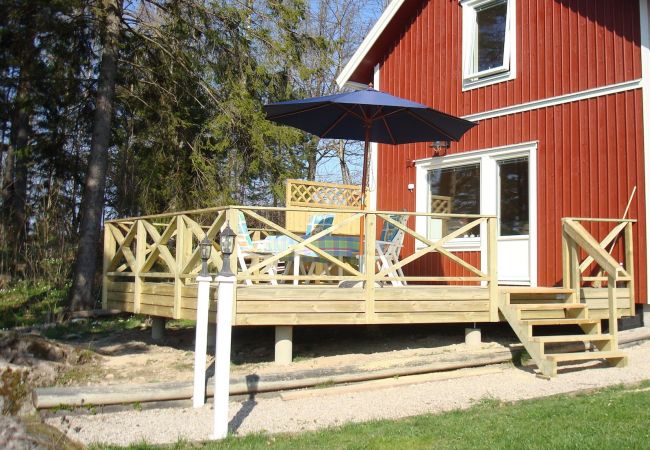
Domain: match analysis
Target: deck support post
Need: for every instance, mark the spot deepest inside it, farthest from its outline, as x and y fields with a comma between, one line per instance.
x=158, y=328
x=283, y=344
x=225, y=300
x=200, y=342
x=473, y=337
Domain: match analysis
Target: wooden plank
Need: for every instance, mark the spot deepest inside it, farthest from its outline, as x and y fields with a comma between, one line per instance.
x=369, y=265
x=629, y=264
x=433, y=317
x=289, y=293
x=109, y=254
x=190, y=303
x=493, y=283
x=588, y=294
x=267, y=307
x=120, y=296
x=158, y=289
x=157, y=310
x=416, y=293
x=119, y=286
x=301, y=319
x=431, y=306
x=157, y=300
x=141, y=247
x=122, y=306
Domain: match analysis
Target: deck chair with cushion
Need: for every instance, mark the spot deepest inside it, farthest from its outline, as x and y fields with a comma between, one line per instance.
x=389, y=247
x=248, y=251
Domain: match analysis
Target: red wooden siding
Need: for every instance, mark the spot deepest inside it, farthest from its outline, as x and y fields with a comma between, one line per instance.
x=590, y=152
x=562, y=47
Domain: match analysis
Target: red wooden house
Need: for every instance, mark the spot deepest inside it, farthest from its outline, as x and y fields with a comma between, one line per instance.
x=561, y=92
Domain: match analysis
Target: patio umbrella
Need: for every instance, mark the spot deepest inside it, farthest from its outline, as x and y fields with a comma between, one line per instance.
x=371, y=116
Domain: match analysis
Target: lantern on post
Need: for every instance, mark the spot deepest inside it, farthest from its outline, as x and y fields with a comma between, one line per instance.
x=227, y=242
x=206, y=249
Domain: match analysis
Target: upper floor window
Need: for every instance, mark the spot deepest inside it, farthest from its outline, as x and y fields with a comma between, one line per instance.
x=488, y=42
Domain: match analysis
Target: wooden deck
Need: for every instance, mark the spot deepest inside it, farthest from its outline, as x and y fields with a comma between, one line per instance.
x=151, y=263
x=331, y=305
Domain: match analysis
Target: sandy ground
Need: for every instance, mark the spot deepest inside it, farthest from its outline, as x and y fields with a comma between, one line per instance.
x=275, y=415
x=134, y=358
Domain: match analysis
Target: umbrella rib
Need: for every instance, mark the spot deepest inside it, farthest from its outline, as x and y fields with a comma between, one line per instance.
x=421, y=119
x=390, y=133
x=331, y=127
x=350, y=111
x=313, y=108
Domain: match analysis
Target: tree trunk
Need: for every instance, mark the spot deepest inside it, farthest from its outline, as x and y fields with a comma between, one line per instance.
x=21, y=156
x=345, y=171
x=92, y=204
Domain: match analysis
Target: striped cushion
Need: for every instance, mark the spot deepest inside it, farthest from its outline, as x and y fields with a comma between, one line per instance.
x=244, y=241
x=389, y=231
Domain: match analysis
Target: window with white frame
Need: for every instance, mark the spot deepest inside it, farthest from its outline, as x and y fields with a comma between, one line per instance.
x=488, y=42
x=454, y=190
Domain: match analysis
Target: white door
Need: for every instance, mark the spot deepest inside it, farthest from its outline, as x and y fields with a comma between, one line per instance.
x=513, y=210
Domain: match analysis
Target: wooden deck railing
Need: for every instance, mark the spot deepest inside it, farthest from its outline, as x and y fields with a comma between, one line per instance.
x=164, y=248
x=575, y=237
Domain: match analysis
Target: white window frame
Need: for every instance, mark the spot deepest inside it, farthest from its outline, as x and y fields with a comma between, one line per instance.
x=508, y=70
x=487, y=159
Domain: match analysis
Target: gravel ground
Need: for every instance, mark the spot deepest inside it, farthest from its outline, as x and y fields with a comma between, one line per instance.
x=275, y=415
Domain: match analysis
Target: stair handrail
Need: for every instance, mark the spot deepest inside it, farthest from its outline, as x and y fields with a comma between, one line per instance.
x=574, y=237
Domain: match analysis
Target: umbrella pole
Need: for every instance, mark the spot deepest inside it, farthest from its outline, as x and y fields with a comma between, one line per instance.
x=364, y=182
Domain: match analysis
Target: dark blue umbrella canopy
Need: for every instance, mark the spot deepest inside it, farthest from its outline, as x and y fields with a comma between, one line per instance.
x=368, y=115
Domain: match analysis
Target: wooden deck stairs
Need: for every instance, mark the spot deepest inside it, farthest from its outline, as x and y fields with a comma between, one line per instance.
x=532, y=311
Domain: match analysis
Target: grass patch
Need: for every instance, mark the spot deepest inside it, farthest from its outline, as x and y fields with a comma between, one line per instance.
x=97, y=327
x=611, y=418
x=26, y=304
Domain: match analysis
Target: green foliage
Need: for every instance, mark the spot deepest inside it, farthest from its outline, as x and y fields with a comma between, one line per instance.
x=611, y=418
x=28, y=303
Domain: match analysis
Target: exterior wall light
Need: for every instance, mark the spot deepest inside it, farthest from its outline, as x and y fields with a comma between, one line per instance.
x=440, y=147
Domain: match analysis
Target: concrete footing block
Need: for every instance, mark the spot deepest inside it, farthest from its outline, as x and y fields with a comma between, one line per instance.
x=646, y=316
x=473, y=336
x=283, y=344
x=158, y=328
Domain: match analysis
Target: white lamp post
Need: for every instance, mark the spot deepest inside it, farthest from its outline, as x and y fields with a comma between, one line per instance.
x=225, y=296
x=202, y=309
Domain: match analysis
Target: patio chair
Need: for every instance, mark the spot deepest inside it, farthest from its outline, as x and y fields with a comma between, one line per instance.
x=389, y=247
x=247, y=250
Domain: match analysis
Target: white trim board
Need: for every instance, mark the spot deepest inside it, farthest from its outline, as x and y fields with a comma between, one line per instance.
x=558, y=100
x=644, y=13
x=367, y=44
x=488, y=159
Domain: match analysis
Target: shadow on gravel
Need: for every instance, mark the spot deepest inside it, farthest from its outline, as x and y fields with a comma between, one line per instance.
x=247, y=405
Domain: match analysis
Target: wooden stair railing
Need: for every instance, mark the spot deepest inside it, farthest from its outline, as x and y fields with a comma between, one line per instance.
x=528, y=311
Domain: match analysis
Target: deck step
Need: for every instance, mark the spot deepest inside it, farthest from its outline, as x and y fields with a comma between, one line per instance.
x=585, y=356
x=560, y=321
x=518, y=290
x=572, y=338
x=548, y=306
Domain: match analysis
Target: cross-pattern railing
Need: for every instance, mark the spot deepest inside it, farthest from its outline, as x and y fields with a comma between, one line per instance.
x=599, y=259
x=165, y=249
